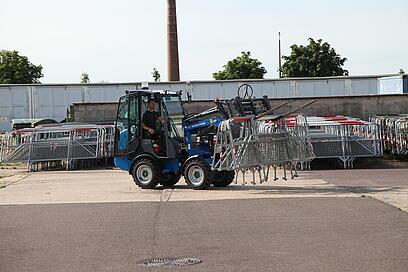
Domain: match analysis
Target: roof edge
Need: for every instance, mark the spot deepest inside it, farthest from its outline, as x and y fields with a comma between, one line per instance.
x=136, y=84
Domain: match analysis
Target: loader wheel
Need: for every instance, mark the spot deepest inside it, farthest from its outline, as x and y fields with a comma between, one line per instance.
x=197, y=175
x=168, y=180
x=223, y=178
x=146, y=174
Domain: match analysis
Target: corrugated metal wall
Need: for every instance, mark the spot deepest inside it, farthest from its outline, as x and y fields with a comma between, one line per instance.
x=52, y=101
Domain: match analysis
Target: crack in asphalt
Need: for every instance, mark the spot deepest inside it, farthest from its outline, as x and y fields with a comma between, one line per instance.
x=165, y=196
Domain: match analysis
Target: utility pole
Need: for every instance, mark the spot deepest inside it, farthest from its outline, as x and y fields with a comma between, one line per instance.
x=173, y=69
x=280, y=56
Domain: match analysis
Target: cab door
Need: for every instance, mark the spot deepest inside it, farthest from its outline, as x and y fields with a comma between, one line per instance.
x=135, y=125
x=127, y=127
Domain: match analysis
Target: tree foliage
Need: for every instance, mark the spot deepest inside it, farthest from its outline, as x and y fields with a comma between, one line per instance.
x=242, y=67
x=16, y=69
x=156, y=75
x=317, y=59
x=85, y=78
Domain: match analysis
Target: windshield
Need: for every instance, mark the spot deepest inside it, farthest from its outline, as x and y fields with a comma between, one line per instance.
x=175, y=112
x=173, y=105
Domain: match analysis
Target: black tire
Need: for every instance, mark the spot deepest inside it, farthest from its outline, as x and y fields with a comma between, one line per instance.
x=168, y=180
x=197, y=174
x=146, y=174
x=223, y=178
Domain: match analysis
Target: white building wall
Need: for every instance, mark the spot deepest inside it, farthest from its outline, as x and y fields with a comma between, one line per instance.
x=52, y=101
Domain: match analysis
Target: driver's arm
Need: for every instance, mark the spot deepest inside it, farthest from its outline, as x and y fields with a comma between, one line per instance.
x=149, y=129
x=145, y=127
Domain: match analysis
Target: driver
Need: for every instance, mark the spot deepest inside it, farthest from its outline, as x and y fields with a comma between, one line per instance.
x=150, y=117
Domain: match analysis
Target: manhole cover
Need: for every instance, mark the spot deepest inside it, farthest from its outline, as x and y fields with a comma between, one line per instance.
x=176, y=261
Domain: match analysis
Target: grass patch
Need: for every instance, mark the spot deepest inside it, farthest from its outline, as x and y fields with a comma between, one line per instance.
x=11, y=165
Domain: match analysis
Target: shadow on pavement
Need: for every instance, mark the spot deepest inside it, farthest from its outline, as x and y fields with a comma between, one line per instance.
x=359, y=163
x=324, y=189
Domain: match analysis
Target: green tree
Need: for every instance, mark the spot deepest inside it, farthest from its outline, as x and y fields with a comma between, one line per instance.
x=317, y=59
x=16, y=69
x=85, y=78
x=242, y=67
x=156, y=75
x=401, y=72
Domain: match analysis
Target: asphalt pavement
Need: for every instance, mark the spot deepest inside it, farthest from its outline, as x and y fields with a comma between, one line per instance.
x=297, y=234
x=98, y=220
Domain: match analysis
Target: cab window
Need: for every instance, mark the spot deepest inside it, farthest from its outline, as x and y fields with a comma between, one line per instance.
x=122, y=123
x=134, y=123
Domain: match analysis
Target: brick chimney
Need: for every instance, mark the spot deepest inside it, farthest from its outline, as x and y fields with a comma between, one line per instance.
x=173, y=69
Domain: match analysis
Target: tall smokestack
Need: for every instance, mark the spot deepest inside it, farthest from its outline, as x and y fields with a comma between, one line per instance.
x=173, y=69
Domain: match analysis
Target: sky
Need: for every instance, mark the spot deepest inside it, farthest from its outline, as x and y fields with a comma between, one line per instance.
x=122, y=40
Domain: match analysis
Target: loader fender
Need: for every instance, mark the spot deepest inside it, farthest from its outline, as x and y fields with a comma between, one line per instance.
x=200, y=157
x=138, y=157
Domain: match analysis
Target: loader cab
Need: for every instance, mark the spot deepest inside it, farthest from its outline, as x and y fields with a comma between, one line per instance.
x=132, y=141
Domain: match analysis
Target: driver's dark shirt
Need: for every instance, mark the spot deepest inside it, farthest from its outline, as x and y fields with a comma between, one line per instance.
x=149, y=119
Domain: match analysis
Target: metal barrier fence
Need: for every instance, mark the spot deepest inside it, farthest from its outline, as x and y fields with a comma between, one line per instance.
x=248, y=145
x=297, y=124
x=69, y=144
x=394, y=131
x=344, y=138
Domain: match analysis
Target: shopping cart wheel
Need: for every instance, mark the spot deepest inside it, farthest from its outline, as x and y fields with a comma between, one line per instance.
x=197, y=174
x=146, y=174
x=222, y=178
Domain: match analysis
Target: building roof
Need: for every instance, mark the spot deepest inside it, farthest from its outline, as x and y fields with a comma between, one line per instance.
x=202, y=81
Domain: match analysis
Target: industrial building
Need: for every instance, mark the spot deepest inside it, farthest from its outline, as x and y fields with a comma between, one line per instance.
x=53, y=100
